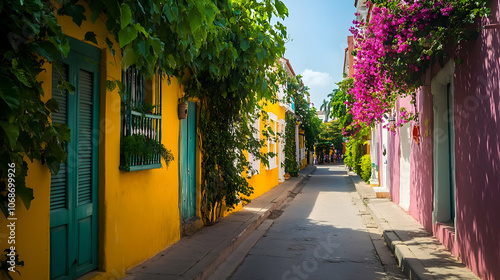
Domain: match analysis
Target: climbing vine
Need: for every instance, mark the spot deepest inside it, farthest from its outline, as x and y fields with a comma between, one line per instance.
x=226, y=46
x=31, y=36
x=229, y=89
x=309, y=120
x=291, y=166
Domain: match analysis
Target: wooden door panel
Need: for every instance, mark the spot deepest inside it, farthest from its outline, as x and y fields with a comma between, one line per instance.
x=73, y=217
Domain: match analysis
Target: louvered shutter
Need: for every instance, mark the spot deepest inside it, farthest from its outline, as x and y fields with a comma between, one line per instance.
x=59, y=181
x=85, y=121
x=252, y=159
x=73, y=215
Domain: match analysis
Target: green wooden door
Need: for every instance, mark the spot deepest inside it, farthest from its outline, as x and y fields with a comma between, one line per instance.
x=188, y=163
x=73, y=194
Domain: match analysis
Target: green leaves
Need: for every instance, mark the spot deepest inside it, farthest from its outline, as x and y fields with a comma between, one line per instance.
x=127, y=35
x=245, y=44
x=26, y=131
x=281, y=8
x=126, y=15
x=216, y=41
x=91, y=37
x=12, y=132
x=9, y=92
x=52, y=105
x=195, y=20
x=171, y=12
x=74, y=11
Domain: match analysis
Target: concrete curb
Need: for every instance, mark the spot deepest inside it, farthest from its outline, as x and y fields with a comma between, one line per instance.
x=412, y=254
x=407, y=261
x=236, y=241
x=193, y=257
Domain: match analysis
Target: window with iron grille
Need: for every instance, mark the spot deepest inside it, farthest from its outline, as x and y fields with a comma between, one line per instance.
x=140, y=145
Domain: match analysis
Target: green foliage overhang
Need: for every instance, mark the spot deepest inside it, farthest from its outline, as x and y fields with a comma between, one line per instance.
x=228, y=46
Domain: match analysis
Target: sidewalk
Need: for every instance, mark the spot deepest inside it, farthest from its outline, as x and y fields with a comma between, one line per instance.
x=418, y=253
x=197, y=256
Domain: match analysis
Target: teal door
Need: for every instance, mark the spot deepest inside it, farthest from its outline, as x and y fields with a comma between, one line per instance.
x=73, y=193
x=188, y=164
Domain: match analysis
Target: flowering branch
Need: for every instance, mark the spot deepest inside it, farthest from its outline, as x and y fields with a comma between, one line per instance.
x=397, y=45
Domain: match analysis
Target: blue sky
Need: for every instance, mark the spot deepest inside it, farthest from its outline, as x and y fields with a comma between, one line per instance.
x=318, y=30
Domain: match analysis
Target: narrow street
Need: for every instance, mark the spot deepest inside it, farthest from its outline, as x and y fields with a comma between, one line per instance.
x=323, y=233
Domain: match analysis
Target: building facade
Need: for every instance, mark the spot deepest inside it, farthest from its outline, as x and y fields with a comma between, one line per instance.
x=107, y=211
x=443, y=170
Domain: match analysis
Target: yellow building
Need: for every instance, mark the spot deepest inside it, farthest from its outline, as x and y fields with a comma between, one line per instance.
x=302, y=155
x=267, y=177
x=103, y=213
x=110, y=208
x=270, y=176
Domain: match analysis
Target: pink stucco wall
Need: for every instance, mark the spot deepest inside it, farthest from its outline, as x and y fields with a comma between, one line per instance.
x=476, y=100
x=477, y=150
x=421, y=181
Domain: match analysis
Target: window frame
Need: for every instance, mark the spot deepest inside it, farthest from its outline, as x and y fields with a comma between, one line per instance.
x=272, y=161
x=253, y=160
x=135, y=121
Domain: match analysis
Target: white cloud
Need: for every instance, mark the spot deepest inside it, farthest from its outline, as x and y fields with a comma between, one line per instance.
x=312, y=78
x=320, y=85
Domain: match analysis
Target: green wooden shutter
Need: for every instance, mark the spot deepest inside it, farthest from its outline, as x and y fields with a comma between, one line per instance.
x=84, y=187
x=188, y=164
x=192, y=158
x=184, y=170
x=59, y=191
x=73, y=216
x=85, y=139
x=59, y=182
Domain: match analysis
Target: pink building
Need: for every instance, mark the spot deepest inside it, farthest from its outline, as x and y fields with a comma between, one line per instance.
x=450, y=181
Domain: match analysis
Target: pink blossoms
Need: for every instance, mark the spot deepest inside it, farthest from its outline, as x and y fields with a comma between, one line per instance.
x=391, y=54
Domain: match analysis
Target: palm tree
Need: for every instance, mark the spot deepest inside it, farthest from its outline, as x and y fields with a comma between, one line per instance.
x=325, y=107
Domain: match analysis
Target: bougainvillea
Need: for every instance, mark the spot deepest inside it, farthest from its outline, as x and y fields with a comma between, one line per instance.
x=396, y=45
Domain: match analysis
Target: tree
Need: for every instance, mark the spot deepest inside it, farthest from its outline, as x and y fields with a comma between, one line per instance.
x=332, y=133
x=325, y=107
x=309, y=121
x=340, y=109
x=291, y=166
x=227, y=46
x=241, y=78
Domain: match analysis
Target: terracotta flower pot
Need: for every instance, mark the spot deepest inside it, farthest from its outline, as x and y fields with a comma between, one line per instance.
x=182, y=110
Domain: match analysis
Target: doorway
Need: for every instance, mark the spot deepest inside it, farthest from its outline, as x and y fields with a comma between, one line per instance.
x=444, y=147
x=188, y=164
x=74, y=189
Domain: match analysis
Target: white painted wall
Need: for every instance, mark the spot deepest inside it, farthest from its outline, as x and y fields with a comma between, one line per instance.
x=374, y=180
x=385, y=159
x=404, y=167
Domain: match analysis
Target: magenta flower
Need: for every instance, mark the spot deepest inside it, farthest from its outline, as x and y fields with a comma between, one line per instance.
x=388, y=50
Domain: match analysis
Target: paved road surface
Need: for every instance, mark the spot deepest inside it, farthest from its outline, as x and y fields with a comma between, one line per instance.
x=323, y=233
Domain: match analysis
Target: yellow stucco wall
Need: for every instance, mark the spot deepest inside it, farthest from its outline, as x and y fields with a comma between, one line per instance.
x=138, y=211
x=303, y=163
x=267, y=179
x=32, y=226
